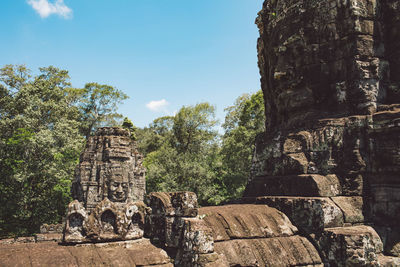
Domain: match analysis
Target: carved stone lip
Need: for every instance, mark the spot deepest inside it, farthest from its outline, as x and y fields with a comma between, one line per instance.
x=118, y=197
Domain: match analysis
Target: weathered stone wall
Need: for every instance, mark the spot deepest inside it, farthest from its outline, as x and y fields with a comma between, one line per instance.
x=330, y=157
x=327, y=58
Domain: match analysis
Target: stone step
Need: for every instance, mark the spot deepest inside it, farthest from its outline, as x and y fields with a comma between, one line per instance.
x=246, y=221
x=277, y=251
x=313, y=214
x=127, y=253
x=306, y=185
x=349, y=246
x=388, y=261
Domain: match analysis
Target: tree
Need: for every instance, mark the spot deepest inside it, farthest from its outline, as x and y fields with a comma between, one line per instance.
x=40, y=145
x=99, y=104
x=43, y=122
x=243, y=122
x=184, y=153
x=128, y=125
x=158, y=133
x=193, y=127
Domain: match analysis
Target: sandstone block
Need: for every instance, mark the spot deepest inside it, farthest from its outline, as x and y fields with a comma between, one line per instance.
x=49, y=237
x=350, y=246
x=277, y=251
x=352, y=208
x=307, y=185
x=387, y=261
x=197, y=237
x=110, y=167
x=182, y=204
x=246, y=221
x=310, y=214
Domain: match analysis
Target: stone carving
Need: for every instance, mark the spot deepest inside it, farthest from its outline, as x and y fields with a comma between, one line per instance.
x=329, y=158
x=109, y=167
x=109, y=189
x=325, y=181
x=75, y=222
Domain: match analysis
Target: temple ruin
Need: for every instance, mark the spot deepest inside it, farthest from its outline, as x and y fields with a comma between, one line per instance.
x=108, y=189
x=325, y=187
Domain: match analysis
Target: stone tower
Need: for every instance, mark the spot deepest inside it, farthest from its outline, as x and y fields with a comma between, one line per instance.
x=110, y=167
x=108, y=189
x=330, y=74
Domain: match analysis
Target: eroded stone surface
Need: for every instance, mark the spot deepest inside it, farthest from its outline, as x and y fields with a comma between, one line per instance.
x=246, y=221
x=350, y=246
x=310, y=214
x=306, y=185
x=108, y=190
x=110, y=167
x=330, y=156
x=277, y=251
x=128, y=253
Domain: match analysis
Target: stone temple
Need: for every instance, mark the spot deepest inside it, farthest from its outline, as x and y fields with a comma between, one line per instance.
x=108, y=189
x=325, y=184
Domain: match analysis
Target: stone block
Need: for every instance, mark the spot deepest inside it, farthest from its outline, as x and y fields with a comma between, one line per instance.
x=183, y=204
x=246, y=221
x=310, y=214
x=55, y=237
x=277, y=251
x=197, y=236
x=350, y=246
x=109, y=221
x=387, y=261
x=174, y=227
x=51, y=228
x=110, y=167
x=352, y=208
x=307, y=185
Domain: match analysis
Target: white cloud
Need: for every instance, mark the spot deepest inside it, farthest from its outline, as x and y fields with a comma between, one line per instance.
x=159, y=105
x=44, y=8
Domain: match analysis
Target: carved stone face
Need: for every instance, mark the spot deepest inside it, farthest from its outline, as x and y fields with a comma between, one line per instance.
x=118, y=191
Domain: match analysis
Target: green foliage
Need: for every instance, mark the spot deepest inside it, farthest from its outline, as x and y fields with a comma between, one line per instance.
x=152, y=138
x=99, y=103
x=192, y=128
x=128, y=124
x=183, y=152
x=243, y=122
x=41, y=122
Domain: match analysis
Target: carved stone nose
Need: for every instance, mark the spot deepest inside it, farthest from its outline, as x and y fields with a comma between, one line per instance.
x=119, y=189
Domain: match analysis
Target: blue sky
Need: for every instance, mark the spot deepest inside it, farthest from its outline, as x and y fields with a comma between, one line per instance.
x=162, y=53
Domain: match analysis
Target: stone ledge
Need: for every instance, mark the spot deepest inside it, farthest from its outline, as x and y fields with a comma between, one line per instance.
x=277, y=251
x=309, y=214
x=350, y=246
x=306, y=185
x=131, y=253
x=246, y=221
